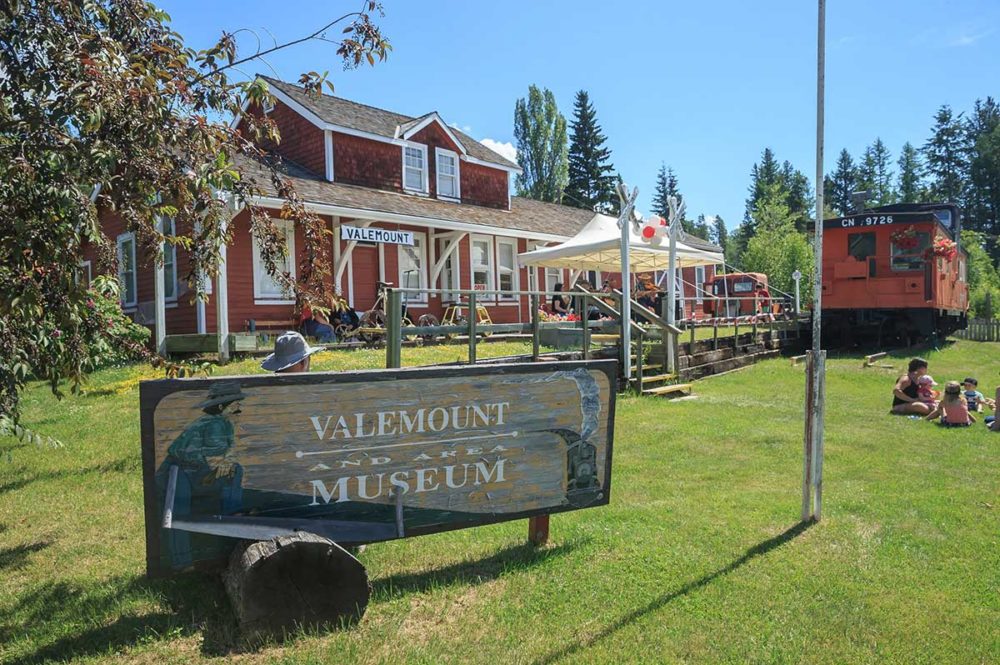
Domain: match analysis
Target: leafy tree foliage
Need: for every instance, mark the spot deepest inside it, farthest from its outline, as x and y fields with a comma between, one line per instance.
x=542, y=152
x=592, y=180
x=777, y=248
x=768, y=178
x=910, y=184
x=983, y=279
x=104, y=94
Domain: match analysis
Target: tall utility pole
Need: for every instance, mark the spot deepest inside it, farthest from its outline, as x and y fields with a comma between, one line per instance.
x=812, y=485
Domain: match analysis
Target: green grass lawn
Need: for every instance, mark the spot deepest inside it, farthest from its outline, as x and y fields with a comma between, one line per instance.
x=697, y=558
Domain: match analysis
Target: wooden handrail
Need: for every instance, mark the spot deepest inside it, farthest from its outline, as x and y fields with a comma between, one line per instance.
x=651, y=316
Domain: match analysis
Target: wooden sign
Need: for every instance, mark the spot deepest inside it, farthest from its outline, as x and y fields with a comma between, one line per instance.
x=376, y=235
x=368, y=456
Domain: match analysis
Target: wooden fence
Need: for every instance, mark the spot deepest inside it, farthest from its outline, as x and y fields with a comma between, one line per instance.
x=981, y=330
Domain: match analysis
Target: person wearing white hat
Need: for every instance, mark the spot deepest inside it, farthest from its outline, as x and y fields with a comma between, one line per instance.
x=291, y=354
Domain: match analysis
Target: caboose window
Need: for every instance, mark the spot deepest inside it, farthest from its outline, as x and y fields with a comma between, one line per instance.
x=861, y=245
x=909, y=255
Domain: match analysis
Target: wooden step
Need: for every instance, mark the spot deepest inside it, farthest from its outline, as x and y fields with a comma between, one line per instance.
x=658, y=377
x=647, y=367
x=666, y=390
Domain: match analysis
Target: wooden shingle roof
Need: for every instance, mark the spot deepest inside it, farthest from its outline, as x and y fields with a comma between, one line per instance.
x=364, y=118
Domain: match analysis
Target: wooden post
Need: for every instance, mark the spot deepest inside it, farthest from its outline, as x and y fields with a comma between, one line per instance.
x=586, y=328
x=638, y=362
x=538, y=530
x=159, y=302
x=536, y=327
x=807, y=444
x=222, y=307
x=736, y=334
x=691, y=343
x=394, y=336
x=715, y=335
x=473, y=317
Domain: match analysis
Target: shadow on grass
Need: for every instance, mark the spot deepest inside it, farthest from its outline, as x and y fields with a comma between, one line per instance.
x=15, y=557
x=118, y=466
x=65, y=621
x=757, y=550
x=508, y=560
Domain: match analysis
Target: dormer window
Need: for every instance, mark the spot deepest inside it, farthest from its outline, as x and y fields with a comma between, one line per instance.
x=447, y=174
x=415, y=168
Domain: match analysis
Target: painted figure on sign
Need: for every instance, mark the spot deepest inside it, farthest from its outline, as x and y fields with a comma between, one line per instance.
x=208, y=481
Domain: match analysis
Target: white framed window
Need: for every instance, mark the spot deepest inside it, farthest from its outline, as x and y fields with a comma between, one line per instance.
x=553, y=276
x=450, y=272
x=126, y=269
x=415, y=168
x=507, y=272
x=481, y=249
x=699, y=283
x=168, y=228
x=85, y=274
x=412, y=263
x=265, y=286
x=446, y=162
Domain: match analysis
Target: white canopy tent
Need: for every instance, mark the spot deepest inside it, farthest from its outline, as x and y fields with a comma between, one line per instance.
x=597, y=246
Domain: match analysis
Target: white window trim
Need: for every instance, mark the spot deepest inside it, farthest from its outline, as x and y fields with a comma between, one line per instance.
x=421, y=251
x=264, y=298
x=424, y=184
x=85, y=268
x=699, y=282
x=437, y=172
x=492, y=269
x=515, y=269
x=551, y=285
x=450, y=290
x=172, y=248
x=121, y=273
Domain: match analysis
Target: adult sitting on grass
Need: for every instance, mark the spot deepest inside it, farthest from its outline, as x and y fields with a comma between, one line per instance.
x=905, y=399
x=291, y=354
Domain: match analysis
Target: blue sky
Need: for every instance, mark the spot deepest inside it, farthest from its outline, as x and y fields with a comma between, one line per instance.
x=700, y=86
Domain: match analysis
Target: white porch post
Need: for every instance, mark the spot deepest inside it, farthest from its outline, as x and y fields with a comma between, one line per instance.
x=624, y=221
x=222, y=307
x=160, y=305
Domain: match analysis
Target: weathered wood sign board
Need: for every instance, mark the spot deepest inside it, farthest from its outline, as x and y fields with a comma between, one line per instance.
x=368, y=456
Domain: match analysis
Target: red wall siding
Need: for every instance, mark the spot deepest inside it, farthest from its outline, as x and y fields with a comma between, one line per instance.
x=484, y=186
x=358, y=161
x=301, y=140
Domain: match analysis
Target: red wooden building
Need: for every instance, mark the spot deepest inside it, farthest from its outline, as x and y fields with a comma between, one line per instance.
x=361, y=167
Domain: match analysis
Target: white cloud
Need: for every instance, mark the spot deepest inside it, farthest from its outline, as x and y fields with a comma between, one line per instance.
x=969, y=37
x=503, y=149
x=465, y=128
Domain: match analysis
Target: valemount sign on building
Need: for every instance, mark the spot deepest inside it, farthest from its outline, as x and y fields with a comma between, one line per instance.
x=376, y=235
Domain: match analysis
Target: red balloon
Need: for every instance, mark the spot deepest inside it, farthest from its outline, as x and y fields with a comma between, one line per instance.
x=648, y=232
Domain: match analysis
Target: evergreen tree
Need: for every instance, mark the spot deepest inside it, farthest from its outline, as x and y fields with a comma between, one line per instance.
x=843, y=183
x=798, y=194
x=591, y=179
x=660, y=195
x=698, y=228
x=540, y=131
x=766, y=178
x=720, y=235
x=946, y=157
x=882, y=192
x=672, y=189
x=762, y=177
x=980, y=205
x=910, y=175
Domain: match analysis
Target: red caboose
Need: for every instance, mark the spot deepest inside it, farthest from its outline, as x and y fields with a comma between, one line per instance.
x=894, y=273
x=736, y=294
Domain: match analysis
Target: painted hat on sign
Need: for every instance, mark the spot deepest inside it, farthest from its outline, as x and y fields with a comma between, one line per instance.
x=222, y=392
x=289, y=349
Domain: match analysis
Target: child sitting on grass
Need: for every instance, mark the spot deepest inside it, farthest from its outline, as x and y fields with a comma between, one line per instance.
x=953, y=408
x=975, y=398
x=925, y=390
